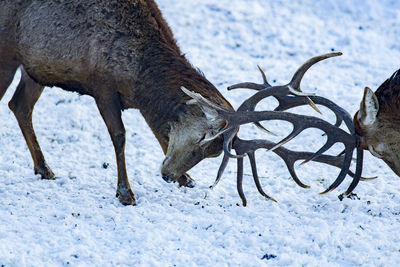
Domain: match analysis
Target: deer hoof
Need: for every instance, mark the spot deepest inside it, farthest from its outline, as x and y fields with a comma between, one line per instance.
x=45, y=172
x=128, y=198
x=186, y=181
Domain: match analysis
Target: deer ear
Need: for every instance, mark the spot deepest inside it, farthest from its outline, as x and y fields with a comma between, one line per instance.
x=368, y=108
x=209, y=108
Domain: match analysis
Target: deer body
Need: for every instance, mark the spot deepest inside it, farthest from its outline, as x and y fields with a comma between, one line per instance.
x=124, y=55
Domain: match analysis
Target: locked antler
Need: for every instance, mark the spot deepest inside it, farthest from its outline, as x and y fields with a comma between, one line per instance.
x=289, y=95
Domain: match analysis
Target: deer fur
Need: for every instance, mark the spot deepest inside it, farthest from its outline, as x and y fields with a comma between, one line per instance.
x=378, y=120
x=123, y=54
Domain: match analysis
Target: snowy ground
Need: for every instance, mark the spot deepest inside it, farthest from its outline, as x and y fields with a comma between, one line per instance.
x=76, y=220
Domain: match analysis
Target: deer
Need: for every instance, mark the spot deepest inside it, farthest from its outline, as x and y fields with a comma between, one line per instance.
x=377, y=121
x=124, y=55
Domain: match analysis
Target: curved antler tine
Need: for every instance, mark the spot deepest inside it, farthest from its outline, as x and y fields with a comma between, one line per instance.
x=294, y=85
x=246, y=85
x=264, y=129
x=264, y=77
x=341, y=153
x=343, y=172
x=289, y=161
x=324, y=148
x=252, y=160
x=292, y=135
x=290, y=166
x=296, y=80
x=221, y=170
x=312, y=104
x=254, y=86
x=367, y=178
x=357, y=176
x=228, y=143
x=240, y=181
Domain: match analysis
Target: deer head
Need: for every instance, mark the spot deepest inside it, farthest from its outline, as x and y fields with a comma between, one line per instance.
x=378, y=121
x=189, y=143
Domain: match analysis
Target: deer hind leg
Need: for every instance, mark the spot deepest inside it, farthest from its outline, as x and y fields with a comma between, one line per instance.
x=22, y=103
x=110, y=110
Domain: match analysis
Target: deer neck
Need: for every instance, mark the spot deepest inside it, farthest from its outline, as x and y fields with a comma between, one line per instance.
x=157, y=94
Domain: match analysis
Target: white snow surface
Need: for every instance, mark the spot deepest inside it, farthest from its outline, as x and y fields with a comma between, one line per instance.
x=76, y=219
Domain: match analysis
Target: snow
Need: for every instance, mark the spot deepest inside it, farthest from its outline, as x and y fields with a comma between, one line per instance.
x=76, y=219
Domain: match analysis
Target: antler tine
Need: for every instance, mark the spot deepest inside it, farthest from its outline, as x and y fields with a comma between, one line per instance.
x=329, y=143
x=239, y=182
x=243, y=150
x=228, y=138
x=298, y=76
x=287, y=102
x=357, y=176
x=250, y=85
x=263, y=76
x=294, y=84
x=221, y=170
x=253, y=165
x=343, y=172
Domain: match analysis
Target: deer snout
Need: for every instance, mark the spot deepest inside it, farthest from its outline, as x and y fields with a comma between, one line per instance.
x=165, y=173
x=169, y=175
x=170, y=172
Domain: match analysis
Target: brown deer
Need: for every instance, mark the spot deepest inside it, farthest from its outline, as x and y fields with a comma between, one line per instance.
x=377, y=122
x=123, y=54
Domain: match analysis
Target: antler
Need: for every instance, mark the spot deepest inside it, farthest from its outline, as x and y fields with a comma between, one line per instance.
x=289, y=157
x=286, y=101
x=288, y=96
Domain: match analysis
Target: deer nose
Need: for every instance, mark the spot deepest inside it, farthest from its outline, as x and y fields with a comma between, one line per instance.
x=167, y=178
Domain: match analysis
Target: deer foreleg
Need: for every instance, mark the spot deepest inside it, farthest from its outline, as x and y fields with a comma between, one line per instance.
x=110, y=110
